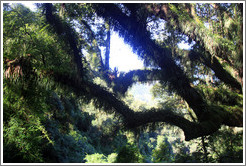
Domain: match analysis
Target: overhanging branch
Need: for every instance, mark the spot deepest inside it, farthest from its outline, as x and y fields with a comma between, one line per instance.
x=69, y=34
x=126, y=80
x=133, y=119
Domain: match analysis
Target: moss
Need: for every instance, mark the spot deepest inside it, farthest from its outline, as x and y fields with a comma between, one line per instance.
x=221, y=96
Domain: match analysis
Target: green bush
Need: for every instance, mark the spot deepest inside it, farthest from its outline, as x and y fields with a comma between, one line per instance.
x=129, y=154
x=96, y=158
x=163, y=151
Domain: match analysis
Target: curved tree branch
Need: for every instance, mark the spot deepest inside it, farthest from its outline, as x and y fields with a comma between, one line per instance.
x=133, y=119
x=170, y=72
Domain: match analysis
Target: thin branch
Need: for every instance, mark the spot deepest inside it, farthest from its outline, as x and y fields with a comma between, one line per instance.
x=98, y=51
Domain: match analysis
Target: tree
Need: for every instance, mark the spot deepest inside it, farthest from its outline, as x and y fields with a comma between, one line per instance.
x=211, y=114
x=208, y=77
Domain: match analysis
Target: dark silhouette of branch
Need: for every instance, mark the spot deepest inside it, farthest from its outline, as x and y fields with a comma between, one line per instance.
x=109, y=101
x=65, y=30
x=126, y=80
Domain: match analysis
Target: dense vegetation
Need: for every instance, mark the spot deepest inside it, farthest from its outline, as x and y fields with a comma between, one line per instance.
x=62, y=102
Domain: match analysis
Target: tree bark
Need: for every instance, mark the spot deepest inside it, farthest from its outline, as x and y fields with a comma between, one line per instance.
x=161, y=56
x=131, y=119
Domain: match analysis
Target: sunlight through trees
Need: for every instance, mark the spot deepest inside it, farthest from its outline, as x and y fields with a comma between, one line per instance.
x=68, y=92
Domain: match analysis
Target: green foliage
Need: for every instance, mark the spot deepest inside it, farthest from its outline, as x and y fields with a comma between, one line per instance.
x=225, y=146
x=26, y=137
x=221, y=96
x=31, y=38
x=112, y=157
x=147, y=144
x=36, y=120
x=163, y=151
x=47, y=119
x=129, y=154
x=182, y=151
x=95, y=158
x=100, y=158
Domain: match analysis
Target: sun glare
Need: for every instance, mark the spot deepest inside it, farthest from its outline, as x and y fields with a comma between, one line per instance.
x=30, y=5
x=121, y=55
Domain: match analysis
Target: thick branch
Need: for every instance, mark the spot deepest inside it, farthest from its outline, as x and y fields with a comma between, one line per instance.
x=196, y=30
x=126, y=80
x=135, y=119
x=90, y=91
x=219, y=71
x=65, y=30
x=191, y=129
x=170, y=72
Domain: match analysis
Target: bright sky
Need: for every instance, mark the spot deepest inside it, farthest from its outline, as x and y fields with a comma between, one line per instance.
x=29, y=4
x=121, y=55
